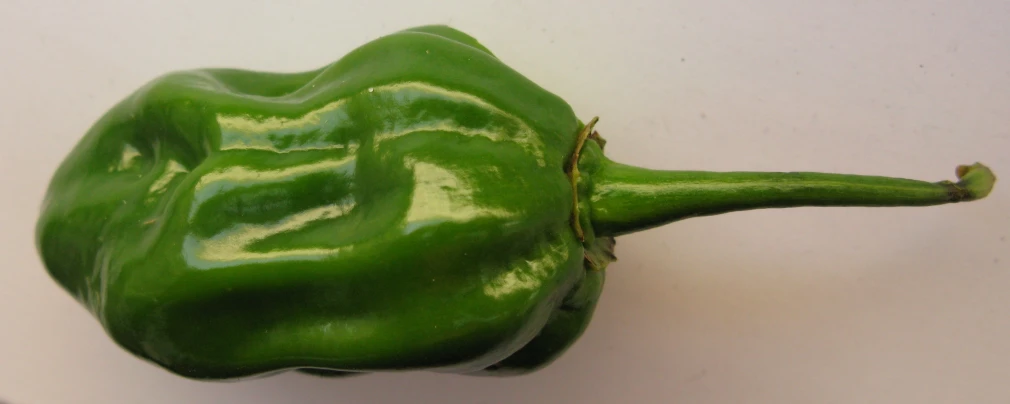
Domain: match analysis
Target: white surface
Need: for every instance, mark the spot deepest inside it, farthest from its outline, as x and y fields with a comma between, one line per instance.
x=793, y=306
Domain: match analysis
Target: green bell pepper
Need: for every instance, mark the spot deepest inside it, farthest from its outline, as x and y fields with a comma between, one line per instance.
x=416, y=204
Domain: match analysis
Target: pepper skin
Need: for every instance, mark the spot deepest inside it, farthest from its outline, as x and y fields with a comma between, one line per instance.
x=408, y=207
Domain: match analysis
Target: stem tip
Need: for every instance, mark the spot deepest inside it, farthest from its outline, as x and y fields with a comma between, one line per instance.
x=974, y=182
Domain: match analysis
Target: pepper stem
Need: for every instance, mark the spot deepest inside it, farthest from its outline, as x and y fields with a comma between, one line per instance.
x=626, y=199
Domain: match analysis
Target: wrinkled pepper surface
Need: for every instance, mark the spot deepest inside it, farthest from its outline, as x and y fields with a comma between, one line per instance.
x=416, y=204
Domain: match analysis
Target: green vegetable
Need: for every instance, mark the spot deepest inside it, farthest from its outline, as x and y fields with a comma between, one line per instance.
x=415, y=205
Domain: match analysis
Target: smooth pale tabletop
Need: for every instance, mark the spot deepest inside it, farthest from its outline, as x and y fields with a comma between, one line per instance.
x=825, y=305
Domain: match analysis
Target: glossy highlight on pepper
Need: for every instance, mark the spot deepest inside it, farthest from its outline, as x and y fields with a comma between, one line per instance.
x=415, y=205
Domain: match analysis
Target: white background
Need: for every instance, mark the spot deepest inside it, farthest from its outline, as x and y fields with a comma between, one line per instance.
x=818, y=305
